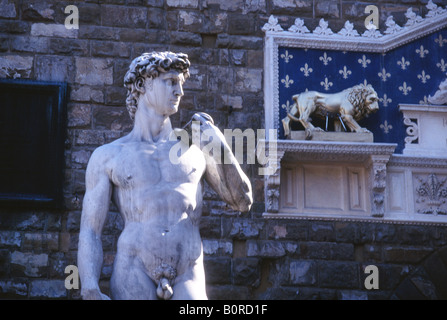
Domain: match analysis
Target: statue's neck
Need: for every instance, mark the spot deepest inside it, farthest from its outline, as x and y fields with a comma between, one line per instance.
x=150, y=126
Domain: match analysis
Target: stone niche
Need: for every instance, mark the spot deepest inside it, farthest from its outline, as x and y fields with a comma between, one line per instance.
x=426, y=130
x=328, y=179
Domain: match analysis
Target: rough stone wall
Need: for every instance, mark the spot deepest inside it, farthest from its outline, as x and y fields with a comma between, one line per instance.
x=246, y=256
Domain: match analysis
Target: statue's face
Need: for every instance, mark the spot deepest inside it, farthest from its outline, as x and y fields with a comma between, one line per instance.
x=372, y=102
x=164, y=92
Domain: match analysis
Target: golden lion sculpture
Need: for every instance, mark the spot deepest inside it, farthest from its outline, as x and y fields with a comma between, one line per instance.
x=349, y=105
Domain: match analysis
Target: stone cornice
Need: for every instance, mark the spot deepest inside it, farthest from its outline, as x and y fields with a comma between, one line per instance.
x=349, y=39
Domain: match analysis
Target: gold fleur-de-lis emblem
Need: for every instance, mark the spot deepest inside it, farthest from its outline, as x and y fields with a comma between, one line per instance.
x=364, y=61
x=405, y=89
x=345, y=72
x=384, y=75
x=287, y=81
x=439, y=40
x=326, y=84
x=386, y=127
x=403, y=63
x=423, y=77
x=306, y=70
x=325, y=59
x=422, y=51
x=286, y=56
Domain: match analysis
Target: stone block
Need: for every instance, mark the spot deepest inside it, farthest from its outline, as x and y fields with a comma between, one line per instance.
x=246, y=271
x=29, y=264
x=48, y=289
x=116, y=96
x=352, y=295
x=233, y=5
x=335, y=274
x=327, y=9
x=37, y=11
x=190, y=21
x=185, y=38
x=327, y=250
x=405, y=254
x=303, y=272
x=248, y=80
x=79, y=114
x=30, y=44
x=183, y=3
x=197, y=79
x=55, y=68
x=89, y=137
x=52, y=30
x=73, y=221
x=246, y=228
x=93, y=32
x=265, y=248
x=220, y=79
x=241, y=24
x=111, y=118
x=36, y=242
x=85, y=94
x=13, y=289
x=227, y=292
x=14, y=27
x=217, y=270
x=121, y=16
x=80, y=157
x=210, y=227
x=233, y=101
x=13, y=66
x=216, y=247
x=89, y=13
x=322, y=231
x=10, y=239
x=4, y=43
x=94, y=71
x=72, y=47
x=110, y=49
x=7, y=9
x=239, y=42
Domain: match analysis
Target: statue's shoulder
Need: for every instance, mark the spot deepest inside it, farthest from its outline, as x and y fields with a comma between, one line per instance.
x=105, y=154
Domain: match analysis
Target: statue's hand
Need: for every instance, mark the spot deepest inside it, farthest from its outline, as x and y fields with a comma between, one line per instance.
x=202, y=117
x=93, y=294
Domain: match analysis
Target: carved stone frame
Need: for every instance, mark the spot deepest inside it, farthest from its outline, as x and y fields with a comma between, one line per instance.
x=376, y=158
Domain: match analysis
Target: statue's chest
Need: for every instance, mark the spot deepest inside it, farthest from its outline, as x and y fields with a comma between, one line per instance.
x=147, y=164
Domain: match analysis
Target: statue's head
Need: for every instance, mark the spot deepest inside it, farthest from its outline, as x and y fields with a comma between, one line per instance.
x=148, y=67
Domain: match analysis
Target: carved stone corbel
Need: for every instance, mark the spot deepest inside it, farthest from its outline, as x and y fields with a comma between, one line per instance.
x=273, y=181
x=377, y=166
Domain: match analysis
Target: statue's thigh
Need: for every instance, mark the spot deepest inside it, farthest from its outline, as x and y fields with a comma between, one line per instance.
x=130, y=282
x=190, y=285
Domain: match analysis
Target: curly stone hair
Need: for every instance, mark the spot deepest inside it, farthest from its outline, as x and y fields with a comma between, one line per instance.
x=149, y=65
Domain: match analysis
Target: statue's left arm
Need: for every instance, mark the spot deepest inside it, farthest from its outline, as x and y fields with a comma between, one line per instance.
x=225, y=177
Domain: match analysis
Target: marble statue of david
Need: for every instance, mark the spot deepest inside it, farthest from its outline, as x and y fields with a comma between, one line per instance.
x=159, y=252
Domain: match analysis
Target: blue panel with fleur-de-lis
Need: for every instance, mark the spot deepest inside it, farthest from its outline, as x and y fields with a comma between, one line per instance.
x=408, y=74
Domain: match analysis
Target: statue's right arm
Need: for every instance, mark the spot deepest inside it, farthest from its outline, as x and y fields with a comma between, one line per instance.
x=94, y=212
